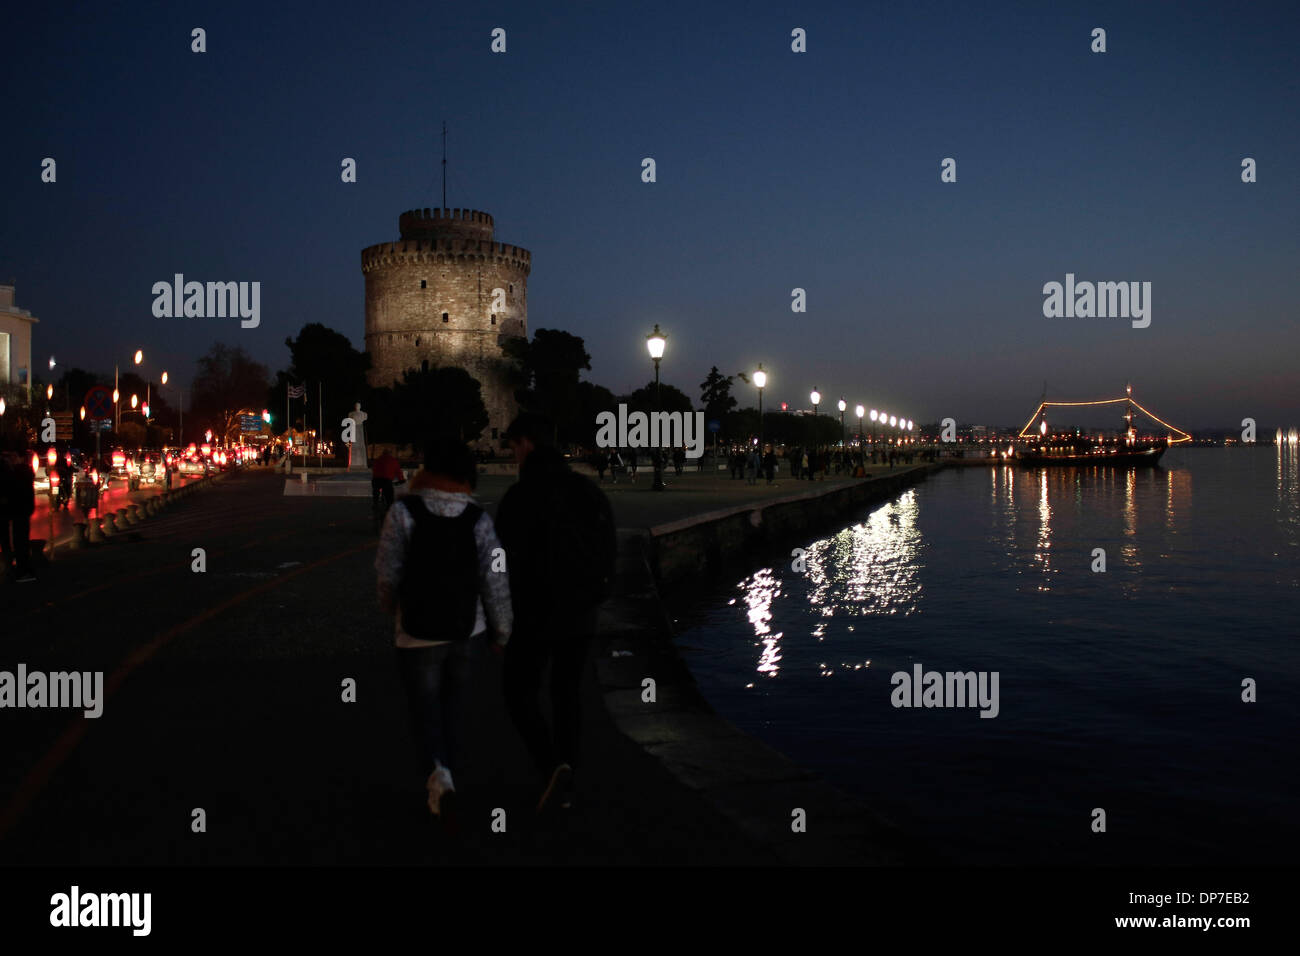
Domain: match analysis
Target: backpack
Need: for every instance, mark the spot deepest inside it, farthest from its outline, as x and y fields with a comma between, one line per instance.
x=439, y=591
x=582, y=542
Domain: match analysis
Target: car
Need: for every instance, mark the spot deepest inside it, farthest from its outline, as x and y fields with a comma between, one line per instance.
x=192, y=465
x=146, y=468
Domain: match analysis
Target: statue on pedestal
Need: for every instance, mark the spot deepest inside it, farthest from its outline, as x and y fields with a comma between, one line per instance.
x=357, y=448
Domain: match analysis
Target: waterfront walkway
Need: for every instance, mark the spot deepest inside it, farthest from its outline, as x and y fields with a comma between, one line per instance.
x=225, y=695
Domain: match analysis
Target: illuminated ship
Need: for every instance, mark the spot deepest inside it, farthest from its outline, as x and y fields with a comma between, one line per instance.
x=1125, y=450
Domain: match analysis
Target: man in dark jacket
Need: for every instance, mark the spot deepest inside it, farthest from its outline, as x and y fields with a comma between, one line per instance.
x=17, y=502
x=558, y=533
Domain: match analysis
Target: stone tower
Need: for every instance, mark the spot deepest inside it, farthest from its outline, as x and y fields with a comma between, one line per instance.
x=433, y=296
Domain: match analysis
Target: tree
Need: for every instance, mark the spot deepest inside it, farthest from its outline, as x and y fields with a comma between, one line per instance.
x=670, y=399
x=547, y=373
x=436, y=400
x=715, y=393
x=333, y=371
x=592, y=400
x=227, y=382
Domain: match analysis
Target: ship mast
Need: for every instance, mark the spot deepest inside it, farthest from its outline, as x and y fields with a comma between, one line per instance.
x=1128, y=414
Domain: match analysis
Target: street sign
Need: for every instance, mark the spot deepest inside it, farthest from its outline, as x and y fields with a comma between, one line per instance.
x=715, y=426
x=99, y=403
x=250, y=423
x=62, y=426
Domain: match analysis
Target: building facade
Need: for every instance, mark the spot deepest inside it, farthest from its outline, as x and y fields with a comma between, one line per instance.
x=447, y=293
x=15, y=345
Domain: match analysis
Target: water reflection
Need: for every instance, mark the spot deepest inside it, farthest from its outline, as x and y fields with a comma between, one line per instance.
x=868, y=569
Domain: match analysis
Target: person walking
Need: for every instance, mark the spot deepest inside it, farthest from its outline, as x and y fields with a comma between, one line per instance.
x=631, y=464
x=558, y=532
x=438, y=572
x=384, y=473
x=769, y=466
x=17, y=502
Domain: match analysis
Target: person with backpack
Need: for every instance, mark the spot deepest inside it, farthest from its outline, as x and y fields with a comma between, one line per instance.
x=558, y=531
x=440, y=572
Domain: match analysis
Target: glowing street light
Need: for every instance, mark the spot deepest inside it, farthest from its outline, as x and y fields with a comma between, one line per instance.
x=760, y=380
x=654, y=343
x=859, y=412
x=139, y=356
x=49, y=392
x=164, y=378
x=52, y=363
x=116, y=396
x=83, y=413
x=843, y=405
x=135, y=400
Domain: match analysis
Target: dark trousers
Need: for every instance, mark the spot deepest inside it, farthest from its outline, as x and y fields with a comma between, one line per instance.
x=19, y=552
x=382, y=486
x=436, y=680
x=565, y=647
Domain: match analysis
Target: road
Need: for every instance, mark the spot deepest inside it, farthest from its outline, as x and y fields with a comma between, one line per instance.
x=114, y=496
x=223, y=693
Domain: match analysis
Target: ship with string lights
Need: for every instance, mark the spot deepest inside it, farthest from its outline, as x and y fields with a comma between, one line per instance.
x=1125, y=447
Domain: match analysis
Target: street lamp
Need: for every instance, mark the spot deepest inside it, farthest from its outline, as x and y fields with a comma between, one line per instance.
x=843, y=406
x=49, y=392
x=816, y=398
x=654, y=343
x=860, y=411
x=875, y=416
x=760, y=379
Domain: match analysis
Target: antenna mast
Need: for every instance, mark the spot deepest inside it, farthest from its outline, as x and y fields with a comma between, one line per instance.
x=444, y=164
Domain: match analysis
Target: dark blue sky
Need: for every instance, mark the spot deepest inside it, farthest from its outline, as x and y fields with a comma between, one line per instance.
x=775, y=171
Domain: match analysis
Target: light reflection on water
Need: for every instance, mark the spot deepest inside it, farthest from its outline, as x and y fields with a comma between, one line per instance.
x=1125, y=681
x=867, y=570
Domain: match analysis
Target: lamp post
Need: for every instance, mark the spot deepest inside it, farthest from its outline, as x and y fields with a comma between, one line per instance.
x=843, y=406
x=875, y=417
x=760, y=379
x=654, y=343
x=816, y=398
x=860, y=412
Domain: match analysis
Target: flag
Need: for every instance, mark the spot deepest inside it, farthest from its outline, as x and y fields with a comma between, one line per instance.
x=297, y=391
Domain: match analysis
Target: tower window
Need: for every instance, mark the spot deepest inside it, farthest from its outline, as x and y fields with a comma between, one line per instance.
x=446, y=317
x=512, y=288
x=494, y=434
x=417, y=340
x=424, y=284
x=494, y=322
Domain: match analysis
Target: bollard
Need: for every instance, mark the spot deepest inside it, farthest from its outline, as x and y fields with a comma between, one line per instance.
x=110, y=524
x=123, y=519
x=93, y=534
x=151, y=507
x=78, y=536
x=134, y=512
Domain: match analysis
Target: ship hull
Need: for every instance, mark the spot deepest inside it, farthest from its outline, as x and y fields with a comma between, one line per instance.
x=1124, y=459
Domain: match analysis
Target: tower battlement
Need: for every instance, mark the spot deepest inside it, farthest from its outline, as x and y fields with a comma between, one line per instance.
x=445, y=224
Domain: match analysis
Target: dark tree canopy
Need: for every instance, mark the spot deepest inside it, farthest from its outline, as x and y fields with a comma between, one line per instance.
x=445, y=401
x=334, y=374
x=670, y=399
x=547, y=375
x=715, y=393
x=227, y=381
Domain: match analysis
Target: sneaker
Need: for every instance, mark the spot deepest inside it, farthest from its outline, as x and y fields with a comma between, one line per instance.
x=436, y=785
x=561, y=782
x=447, y=799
